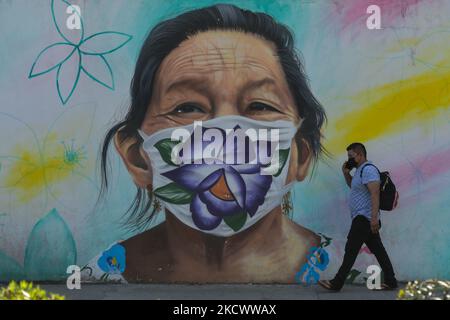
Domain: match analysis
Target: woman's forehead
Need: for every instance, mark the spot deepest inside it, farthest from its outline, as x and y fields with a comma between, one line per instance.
x=208, y=53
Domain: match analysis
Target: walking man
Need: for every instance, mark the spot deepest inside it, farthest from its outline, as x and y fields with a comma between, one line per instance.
x=364, y=208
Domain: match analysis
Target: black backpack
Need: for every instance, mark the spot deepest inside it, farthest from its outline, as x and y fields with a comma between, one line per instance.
x=388, y=191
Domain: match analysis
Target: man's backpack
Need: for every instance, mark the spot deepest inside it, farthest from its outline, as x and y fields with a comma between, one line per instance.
x=388, y=191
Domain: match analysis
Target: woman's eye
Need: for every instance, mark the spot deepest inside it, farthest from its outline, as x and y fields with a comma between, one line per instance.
x=187, y=108
x=261, y=107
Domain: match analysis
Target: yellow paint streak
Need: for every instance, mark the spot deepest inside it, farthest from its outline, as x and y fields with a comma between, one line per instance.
x=391, y=108
x=403, y=44
x=32, y=172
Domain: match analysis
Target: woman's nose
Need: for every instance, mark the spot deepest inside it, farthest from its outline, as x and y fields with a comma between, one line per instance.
x=226, y=96
x=226, y=109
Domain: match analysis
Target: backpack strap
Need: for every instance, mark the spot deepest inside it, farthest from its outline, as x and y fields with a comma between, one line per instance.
x=369, y=164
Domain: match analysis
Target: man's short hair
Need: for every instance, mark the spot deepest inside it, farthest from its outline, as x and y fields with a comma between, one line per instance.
x=358, y=147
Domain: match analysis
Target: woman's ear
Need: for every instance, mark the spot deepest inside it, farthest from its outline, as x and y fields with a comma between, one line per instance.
x=304, y=159
x=301, y=157
x=135, y=158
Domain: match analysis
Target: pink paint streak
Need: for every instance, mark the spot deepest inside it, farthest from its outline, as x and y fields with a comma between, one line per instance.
x=365, y=249
x=418, y=172
x=411, y=178
x=354, y=12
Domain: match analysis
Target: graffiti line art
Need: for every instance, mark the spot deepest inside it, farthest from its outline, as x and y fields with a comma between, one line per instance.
x=77, y=55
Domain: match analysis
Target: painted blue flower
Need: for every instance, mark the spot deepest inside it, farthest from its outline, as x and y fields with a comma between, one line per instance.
x=77, y=54
x=307, y=275
x=221, y=191
x=113, y=260
x=318, y=257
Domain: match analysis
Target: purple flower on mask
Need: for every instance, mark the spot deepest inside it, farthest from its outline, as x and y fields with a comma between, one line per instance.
x=219, y=191
x=216, y=192
x=222, y=191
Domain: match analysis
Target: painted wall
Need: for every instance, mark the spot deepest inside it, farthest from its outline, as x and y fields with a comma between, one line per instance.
x=388, y=88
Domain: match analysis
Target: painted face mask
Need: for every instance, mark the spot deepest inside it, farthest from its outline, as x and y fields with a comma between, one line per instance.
x=223, y=175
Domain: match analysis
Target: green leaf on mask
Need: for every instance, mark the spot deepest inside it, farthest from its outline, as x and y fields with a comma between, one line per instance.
x=284, y=154
x=173, y=193
x=165, y=147
x=236, y=221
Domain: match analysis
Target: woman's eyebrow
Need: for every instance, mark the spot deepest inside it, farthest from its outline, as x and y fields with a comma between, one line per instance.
x=201, y=84
x=257, y=84
x=197, y=83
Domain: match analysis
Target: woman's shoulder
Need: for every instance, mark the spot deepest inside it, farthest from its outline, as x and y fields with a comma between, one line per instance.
x=308, y=237
x=147, y=242
x=148, y=254
x=107, y=266
x=126, y=258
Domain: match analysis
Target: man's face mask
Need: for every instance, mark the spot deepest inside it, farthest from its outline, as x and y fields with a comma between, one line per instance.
x=223, y=175
x=351, y=163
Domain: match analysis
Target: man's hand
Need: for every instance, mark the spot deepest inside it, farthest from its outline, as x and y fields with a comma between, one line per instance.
x=374, y=189
x=374, y=226
x=347, y=176
x=345, y=170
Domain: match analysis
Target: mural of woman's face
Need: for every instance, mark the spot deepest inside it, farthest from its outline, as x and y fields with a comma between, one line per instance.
x=213, y=74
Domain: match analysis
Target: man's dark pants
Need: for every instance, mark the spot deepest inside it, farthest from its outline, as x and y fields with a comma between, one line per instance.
x=360, y=233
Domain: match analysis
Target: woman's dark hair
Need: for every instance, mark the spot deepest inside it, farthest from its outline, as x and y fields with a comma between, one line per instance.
x=165, y=37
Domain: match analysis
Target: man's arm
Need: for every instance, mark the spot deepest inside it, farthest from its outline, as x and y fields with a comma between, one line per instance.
x=348, y=179
x=374, y=189
x=347, y=176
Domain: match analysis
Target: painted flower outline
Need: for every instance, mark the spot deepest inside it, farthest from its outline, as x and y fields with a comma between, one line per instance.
x=77, y=54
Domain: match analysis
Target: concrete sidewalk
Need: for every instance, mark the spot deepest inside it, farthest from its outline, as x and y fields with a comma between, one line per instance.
x=216, y=292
